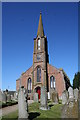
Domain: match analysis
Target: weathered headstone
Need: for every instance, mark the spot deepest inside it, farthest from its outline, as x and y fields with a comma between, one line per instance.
x=15, y=96
x=71, y=97
x=79, y=104
x=4, y=97
x=36, y=97
x=55, y=98
x=8, y=97
x=48, y=95
x=70, y=90
x=0, y=95
x=43, y=99
x=64, y=97
x=76, y=94
x=22, y=104
x=12, y=97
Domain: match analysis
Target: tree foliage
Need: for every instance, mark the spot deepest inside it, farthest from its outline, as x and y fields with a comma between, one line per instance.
x=76, y=80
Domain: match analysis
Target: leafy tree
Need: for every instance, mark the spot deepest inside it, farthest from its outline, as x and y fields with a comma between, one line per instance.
x=76, y=80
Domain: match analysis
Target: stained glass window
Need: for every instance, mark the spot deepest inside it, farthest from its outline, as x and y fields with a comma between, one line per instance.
x=38, y=74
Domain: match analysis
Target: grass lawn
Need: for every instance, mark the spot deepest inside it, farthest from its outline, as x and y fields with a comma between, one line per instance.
x=35, y=112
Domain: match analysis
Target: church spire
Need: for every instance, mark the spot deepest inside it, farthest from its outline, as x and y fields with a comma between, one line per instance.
x=40, y=31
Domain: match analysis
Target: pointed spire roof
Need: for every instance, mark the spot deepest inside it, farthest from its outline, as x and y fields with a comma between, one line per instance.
x=40, y=31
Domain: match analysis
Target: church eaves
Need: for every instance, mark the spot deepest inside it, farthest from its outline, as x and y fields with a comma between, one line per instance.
x=40, y=31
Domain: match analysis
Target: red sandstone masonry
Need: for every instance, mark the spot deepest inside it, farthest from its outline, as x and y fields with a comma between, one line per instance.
x=59, y=78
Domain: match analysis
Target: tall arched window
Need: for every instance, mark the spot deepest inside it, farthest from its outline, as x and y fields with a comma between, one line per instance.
x=38, y=44
x=38, y=74
x=52, y=82
x=29, y=85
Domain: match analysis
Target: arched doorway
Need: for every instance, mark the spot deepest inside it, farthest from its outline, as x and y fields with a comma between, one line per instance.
x=38, y=90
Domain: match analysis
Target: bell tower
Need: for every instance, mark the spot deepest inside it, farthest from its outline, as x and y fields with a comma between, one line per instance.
x=40, y=57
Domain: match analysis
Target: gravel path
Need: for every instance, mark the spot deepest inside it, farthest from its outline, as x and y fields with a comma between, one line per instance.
x=9, y=109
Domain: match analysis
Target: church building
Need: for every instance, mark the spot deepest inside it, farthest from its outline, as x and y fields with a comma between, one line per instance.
x=41, y=73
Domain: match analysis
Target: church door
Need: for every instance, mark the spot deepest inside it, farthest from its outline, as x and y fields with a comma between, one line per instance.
x=38, y=90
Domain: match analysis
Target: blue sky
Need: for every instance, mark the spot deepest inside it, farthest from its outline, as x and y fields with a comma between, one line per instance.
x=19, y=28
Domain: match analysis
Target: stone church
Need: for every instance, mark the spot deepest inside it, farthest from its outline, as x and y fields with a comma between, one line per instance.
x=41, y=73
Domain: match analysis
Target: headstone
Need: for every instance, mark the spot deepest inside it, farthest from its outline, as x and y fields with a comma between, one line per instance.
x=48, y=95
x=71, y=97
x=43, y=99
x=4, y=97
x=36, y=97
x=76, y=94
x=22, y=104
x=0, y=95
x=70, y=90
x=79, y=103
x=64, y=97
x=12, y=98
x=15, y=96
x=8, y=97
x=55, y=98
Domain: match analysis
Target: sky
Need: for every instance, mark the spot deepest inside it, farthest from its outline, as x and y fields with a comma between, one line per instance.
x=19, y=28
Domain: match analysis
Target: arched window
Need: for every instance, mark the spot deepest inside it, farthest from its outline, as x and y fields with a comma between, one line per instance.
x=38, y=44
x=52, y=82
x=38, y=74
x=29, y=85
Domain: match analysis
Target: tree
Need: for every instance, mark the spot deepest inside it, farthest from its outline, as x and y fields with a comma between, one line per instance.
x=76, y=80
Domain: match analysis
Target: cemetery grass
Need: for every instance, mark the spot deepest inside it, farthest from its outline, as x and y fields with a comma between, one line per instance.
x=13, y=115
x=35, y=112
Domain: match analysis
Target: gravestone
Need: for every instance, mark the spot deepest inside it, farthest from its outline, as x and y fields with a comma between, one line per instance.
x=0, y=95
x=70, y=90
x=64, y=97
x=71, y=97
x=48, y=95
x=15, y=96
x=12, y=97
x=4, y=97
x=22, y=104
x=76, y=94
x=55, y=98
x=36, y=97
x=8, y=97
x=43, y=99
x=79, y=104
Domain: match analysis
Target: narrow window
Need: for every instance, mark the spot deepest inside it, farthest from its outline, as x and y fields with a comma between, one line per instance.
x=38, y=45
x=29, y=85
x=52, y=82
x=38, y=74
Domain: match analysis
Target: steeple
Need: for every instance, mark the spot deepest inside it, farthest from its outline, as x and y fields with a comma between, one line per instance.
x=40, y=31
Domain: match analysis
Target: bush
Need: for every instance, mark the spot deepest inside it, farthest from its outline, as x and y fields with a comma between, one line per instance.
x=10, y=103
